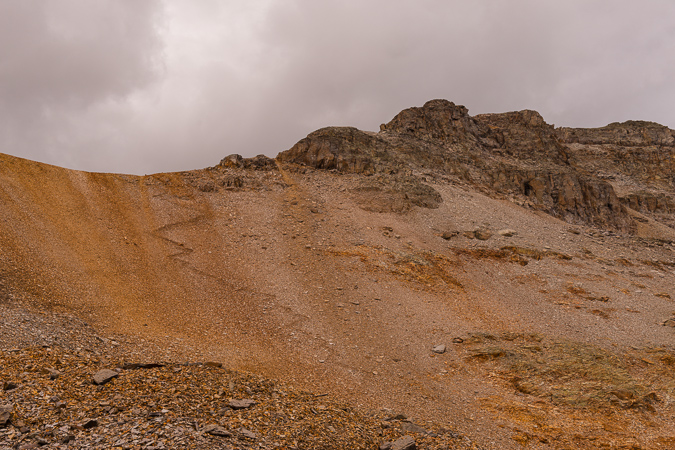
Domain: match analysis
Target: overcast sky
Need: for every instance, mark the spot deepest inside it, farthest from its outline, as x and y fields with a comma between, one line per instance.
x=151, y=86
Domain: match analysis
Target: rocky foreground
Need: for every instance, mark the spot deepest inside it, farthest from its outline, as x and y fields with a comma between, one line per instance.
x=74, y=389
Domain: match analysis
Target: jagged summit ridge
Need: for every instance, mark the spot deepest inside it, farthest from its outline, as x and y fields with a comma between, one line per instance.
x=517, y=155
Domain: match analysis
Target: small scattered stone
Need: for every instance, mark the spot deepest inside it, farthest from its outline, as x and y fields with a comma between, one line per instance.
x=449, y=235
x=214, y=364
x=216, y=430
x=5, y=415
x=507, y=232
x=104, y=376
x=29, y=446
x=9, y=386
x=67, y=438
x=132, y=366
x=405, y=443
x=440, y=349
x=410, y=427
x=669, y=323
x=53, y=374
x=89, y=424
x=397, y=417
x=482, y=234
x=247, y=434
x=457, y=340
x=241, y=404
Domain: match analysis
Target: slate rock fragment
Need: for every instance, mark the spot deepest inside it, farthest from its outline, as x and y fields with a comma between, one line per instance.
x=5, y=415
x=440, y=349
x=397, y=417
x=9, y=386
x=410, y=427
x=67, y=438
x=89, y=424
x=449, y=235
x=482, y=234
x=104, y=376
x=405, y=443
x=131, y=366
x=247, y=434
x=53, y=373
x=216, y=430
x=241, y=404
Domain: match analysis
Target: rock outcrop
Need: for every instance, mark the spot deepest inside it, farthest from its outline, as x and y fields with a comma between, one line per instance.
x=583, y=176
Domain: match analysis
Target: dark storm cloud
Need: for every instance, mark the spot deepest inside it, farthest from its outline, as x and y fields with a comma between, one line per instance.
x=143, y=87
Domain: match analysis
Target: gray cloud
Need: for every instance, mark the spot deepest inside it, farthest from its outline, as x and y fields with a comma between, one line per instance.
x=142, y=87
x=61, y=58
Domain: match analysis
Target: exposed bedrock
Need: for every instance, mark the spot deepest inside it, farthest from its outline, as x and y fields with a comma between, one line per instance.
x=569, y=173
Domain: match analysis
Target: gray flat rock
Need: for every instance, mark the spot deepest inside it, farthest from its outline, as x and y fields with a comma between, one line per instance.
x=241, y=404
x=5, y=417
x=440, y=349
x=247, y=433
x=405, y=443
x=104, y=376
x=216, y=430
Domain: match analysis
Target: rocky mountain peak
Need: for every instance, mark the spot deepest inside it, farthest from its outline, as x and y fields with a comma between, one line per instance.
x=567, y=172
x=437, y=119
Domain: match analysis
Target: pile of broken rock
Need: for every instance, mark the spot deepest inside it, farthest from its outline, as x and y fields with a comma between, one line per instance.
x=56, y=398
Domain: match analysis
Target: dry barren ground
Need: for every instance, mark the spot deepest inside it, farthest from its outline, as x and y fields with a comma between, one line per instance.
x=545, y=336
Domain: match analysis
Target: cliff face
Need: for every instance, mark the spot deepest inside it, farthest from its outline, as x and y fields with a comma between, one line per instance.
x=637, y=157
x=584, y=176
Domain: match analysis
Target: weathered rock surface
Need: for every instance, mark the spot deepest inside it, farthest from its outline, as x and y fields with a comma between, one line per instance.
x=118, y=416
x=216, y=430
x=5, y=415
x=241, y=404
x=405, y=443
x=440, y=349
x=516, y=154
x=104, y=376
x=260, y=162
